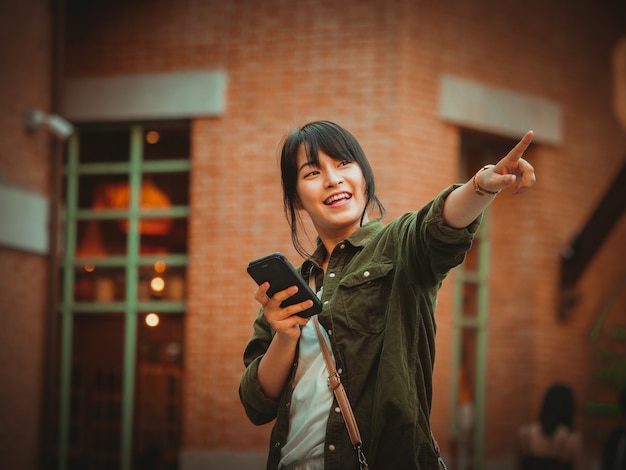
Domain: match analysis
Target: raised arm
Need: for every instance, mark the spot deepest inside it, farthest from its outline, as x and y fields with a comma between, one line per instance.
x=466, y=202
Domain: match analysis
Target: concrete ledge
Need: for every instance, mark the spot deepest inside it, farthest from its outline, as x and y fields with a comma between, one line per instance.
x=498, y=111
x=177, y=95
x=222, y=460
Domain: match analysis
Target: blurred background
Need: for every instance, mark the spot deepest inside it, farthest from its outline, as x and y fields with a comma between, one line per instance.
x=139, y=175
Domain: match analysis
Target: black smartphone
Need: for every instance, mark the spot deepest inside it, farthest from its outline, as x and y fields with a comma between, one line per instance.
x=278, y=271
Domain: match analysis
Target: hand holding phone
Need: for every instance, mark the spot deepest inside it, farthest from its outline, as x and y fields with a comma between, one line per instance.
x=278, y=271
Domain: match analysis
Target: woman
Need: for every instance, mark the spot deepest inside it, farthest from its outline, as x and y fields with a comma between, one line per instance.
x=378, y=285
x=551, y=443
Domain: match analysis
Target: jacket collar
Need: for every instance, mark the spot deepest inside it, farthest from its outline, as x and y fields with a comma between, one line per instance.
x=356, y=241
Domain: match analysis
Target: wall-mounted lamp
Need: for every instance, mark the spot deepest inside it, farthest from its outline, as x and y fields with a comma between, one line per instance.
x=35, y=118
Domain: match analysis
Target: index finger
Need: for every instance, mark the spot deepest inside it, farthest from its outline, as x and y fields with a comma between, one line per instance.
x=518, y=151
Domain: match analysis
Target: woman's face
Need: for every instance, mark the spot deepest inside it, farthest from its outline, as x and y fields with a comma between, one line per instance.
x=333, y=194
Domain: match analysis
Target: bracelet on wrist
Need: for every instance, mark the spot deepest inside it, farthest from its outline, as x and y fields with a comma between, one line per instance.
x=477, y=189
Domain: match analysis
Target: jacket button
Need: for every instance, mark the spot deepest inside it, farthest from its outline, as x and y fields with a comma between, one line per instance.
x=366, y=274
x=331, y=275
x=337, y=410
x=331, y=447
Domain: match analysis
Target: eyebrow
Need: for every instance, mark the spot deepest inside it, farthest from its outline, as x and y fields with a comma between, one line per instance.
x=310, y=163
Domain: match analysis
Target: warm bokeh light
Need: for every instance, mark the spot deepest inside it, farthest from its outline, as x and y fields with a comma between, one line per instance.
x=160, y=266
x=152, y=137
x=157, y=284
x=152, y=319
x=89, y=268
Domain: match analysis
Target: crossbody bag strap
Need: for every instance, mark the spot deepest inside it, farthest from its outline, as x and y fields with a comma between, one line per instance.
x=334, y=383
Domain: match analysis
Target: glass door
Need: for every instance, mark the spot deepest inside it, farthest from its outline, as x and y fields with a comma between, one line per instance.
x=471, y=315
x=123, y=296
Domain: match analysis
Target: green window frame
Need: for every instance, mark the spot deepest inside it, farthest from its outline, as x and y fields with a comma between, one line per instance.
x=474, y=325
x=471, y=289
x=130, y=262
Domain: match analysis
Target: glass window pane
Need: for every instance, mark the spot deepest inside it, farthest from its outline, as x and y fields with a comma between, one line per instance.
x=465, y=399
x=98, y=238
x=162, y=282
x=159, y=389
x=99, y=284
x=104, y=145
x=103, y=191
x=160, y=338
x=174, y=241
x=96, y=393
x=165, y=189
x=470, y=299
x=163, y=142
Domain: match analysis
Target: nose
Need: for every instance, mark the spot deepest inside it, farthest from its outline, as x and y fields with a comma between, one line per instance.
x=333, y=179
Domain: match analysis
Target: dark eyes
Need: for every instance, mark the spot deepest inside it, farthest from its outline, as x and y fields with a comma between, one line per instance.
x=315, y=172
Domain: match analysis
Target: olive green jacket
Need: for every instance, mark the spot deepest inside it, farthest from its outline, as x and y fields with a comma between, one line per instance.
x=379, y=298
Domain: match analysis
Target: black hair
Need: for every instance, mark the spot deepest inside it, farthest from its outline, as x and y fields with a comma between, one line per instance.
x=557, y=409
x=337, y=143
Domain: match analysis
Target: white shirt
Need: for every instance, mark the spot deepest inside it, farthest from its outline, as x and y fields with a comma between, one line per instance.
x=310, y=402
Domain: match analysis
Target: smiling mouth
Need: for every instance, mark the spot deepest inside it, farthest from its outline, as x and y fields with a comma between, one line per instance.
x=337, y=197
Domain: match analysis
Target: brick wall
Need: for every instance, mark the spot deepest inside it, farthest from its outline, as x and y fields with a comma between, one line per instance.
x=25, y=59
x=374, y=67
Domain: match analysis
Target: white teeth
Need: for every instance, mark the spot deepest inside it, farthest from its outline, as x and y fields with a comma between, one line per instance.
x=336, y=197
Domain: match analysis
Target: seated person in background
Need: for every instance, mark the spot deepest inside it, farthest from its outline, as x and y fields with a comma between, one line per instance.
x=551, y=443
x=614, y=454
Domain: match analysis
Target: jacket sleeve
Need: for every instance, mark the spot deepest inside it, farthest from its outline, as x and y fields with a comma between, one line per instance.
x=259, y=408
x=430, y=244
